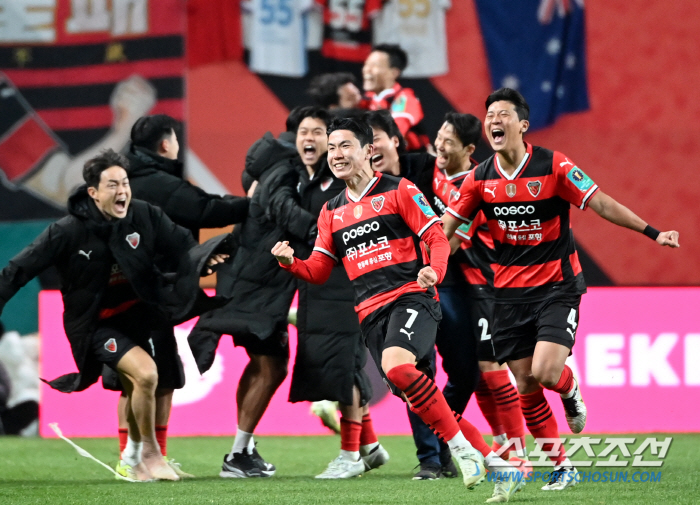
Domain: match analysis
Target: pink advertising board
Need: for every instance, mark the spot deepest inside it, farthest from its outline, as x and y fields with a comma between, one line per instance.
x=637, y=358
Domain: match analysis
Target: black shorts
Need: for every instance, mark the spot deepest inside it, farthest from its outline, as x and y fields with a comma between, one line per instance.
x=276, y=344
x=482, y=323
x=409, y=322
x=117, y=335
x=518, y=327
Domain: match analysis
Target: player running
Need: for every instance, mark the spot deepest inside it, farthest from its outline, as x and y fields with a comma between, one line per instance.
x=525, y=192
x=378, y=227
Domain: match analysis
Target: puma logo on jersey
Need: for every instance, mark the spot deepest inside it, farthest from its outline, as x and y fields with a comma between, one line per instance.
x=564, y=163
x=492, y=191
x=339, y=216
x=86, y=254
x=407, y=333
x=412, y=186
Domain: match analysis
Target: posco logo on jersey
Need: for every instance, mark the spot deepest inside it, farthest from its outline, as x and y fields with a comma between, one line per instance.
x=360, y=230
x=514, y=210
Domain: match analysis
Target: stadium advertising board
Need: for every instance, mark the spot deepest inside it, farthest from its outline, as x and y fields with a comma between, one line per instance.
x=636, y=359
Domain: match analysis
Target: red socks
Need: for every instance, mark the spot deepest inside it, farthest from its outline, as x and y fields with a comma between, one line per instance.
x=507, y=403
x=540, y=421
x=566, y=381
x=425, y=399
x=472, y=435
x=488, y=407
x=350, y=432
x=367, y=436
x=123, y=437
x=162, y=438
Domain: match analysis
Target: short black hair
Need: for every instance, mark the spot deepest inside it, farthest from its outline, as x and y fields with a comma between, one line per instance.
x=293, y=120
x=93, y=168
x=313, y=112
x=397, y=56
x=522, y=109
x=359, y=128
x=149, y=131
x=382, y=120
x=324, y=88
x=467, y=127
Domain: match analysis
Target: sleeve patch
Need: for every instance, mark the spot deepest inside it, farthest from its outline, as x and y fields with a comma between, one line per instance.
x=399, y=105
x=580, y=179
x=423, y=205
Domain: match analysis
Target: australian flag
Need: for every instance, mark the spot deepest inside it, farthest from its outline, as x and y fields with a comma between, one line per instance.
x=538, y=47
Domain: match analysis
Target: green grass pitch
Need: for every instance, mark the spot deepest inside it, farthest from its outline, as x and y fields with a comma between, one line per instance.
x=38, y=471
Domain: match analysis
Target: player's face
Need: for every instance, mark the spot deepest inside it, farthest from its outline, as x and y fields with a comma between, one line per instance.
x=346, y=157
x=312, y=141
x=386, y=154
x=450, y=150
x=348, y=96
x=113, y=195
x=503, y=127
x=376, y=73
x=170, y=147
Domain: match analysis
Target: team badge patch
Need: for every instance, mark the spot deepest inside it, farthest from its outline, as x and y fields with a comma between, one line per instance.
x=534, y=188
x=399, y=105
x=511, y=189
x=357, y=211
x=444, y=188
x=111, y=345
x=423, y=204
x=326, y=183
x=377, y=203
x=454, y=196
x=580, y=179
x=134, y=239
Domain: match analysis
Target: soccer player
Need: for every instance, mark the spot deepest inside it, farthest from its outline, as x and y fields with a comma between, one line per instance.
x=380, y=72
x=525, y=192
x=379, y=228
x=330, y=353
x=157, y=177
x=106, y=252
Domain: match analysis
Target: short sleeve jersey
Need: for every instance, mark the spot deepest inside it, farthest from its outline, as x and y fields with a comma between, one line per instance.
x=347, y=34
x=377, y=237
x=528, y=214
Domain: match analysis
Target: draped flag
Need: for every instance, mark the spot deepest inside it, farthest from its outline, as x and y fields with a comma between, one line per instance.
x=538, y=47
x=74, y=77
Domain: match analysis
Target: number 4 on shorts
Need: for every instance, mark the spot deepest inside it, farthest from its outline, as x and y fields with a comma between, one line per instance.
x=572, y=321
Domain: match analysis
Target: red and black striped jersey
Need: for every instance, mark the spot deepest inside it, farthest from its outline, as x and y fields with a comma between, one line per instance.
x=407, y=111
x=347, y=31
x=378, y=238
x=480, y=255
x=528, y=214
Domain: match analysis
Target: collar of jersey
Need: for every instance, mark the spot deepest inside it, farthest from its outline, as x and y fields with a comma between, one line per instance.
x=454, y=176
x=370, y=185
x=387, y=92
x=520, y=168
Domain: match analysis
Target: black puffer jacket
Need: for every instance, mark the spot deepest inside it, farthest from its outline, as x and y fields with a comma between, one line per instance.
x=159, y=181
x=83, y=246
x=260, y=290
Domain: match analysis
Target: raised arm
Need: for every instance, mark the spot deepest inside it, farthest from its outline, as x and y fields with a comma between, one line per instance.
x=316, y=270
x=608, y=208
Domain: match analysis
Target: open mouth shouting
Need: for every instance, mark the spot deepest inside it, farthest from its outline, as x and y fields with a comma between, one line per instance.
x=498, y=136
x=378, y=161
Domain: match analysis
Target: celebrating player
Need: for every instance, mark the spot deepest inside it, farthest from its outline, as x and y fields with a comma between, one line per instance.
x=525, y=192
x=376, y=228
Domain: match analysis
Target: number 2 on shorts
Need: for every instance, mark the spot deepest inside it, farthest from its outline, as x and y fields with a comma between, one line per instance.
x=409, y=323
x=484, y=325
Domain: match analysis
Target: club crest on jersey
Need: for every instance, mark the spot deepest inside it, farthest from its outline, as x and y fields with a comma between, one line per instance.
x=133, y=239
x=423, y=204
x=580, y=179
x=454, y=196
x=534, y=187
x=357, y=211
x=377, y=203
x=511, y=189
x=111, y=345
x=326, y=183
x=444, y=188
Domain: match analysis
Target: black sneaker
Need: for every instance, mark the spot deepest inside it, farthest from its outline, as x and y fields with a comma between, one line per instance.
x=428, y=471
x=241, y=466
x=449, y=469
x=267, y=468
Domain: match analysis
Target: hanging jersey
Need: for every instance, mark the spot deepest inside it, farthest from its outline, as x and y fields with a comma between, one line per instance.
x=119, y=296
x=378, y=239
x=405, y=109
x=528, y=214
x=347, y=34
x=418, y=26
x=278, y=36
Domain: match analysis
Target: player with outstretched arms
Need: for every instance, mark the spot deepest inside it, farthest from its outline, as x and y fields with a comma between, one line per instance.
x=379, y=227
x=526, y=192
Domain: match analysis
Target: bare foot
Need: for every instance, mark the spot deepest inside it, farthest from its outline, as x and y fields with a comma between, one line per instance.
x=158, y=468
x=141, y=472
